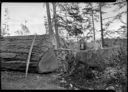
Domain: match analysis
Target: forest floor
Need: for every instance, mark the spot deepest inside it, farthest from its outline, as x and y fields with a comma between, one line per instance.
x=11, y=80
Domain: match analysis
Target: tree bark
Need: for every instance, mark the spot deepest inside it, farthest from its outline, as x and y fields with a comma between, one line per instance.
x=51, y=33
x=56, y=27
x=49, y=19
x=93, y=25
x=102, y=34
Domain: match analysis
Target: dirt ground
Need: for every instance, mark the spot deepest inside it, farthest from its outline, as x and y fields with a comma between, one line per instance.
x=18, y=81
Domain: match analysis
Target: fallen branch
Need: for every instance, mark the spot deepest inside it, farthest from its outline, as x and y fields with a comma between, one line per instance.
x=29, y=55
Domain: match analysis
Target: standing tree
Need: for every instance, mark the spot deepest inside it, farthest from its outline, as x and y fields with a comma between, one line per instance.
x=121, y=5
x=93, y=24
x=46, y=25
x=5, y=29
x=70, y=18
x=101, y=24
x=24, y=29
x=89, y=10
x=51, y=33
x=49, y=19
x=120, y=13
x=55, y=25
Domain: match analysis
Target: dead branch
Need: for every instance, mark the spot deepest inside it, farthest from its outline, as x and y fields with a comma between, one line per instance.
x=29, y=55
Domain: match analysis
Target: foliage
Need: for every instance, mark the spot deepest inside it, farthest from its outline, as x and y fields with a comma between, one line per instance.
x=121, y=12
x=24, y=30
x=70, y=17
x=73, y=20
x=119, y=59
x=4, y=32
x=120, y=4
x=5, y=28
x=81, y=76
x=87, y=12
x=116, y=70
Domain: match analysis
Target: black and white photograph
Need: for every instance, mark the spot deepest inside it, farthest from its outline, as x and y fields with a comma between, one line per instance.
x=64, y=46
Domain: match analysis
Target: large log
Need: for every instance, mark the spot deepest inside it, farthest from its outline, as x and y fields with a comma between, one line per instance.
x=21, y=45
x=18, y=66
x=14, y=52
x=7, y=55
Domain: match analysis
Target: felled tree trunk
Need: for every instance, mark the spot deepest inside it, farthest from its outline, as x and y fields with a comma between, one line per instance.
x=20, y=47
x=14, y=52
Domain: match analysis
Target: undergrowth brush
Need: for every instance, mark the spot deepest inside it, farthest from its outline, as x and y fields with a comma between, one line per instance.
x=110, y=75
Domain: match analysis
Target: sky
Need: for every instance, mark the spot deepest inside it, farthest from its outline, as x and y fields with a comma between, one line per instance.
x=19, y=12
x=34, y=14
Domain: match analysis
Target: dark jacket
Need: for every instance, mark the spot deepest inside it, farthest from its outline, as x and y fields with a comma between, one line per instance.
x=83, y=45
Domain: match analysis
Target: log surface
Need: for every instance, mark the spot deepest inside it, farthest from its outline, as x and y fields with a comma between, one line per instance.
x=14, y=51
x=18, y=47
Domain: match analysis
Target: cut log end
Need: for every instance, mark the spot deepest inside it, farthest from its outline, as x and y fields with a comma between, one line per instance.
x=48, y=63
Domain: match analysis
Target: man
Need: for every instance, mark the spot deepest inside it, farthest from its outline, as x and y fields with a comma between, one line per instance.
x=83, y=45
